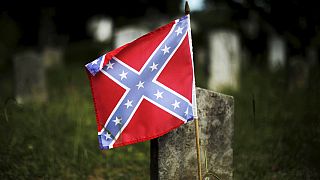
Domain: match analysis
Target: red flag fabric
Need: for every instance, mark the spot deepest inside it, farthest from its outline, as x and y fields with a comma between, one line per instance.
x=145, y=88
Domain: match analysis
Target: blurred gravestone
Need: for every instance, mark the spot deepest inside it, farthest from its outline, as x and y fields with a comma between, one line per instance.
x=201, y=56
x=299, y=73
x=251, y=25
x=276, y=52
x=49, y=40
x=173, y=156
x=128, y=34
x=101, y=28
x=224, y=47
x=312, y=56
x=30, y=84
x=52, y=57
x=47, y=28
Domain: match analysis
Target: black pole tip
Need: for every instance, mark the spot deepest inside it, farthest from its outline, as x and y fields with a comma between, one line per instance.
x=186, y=8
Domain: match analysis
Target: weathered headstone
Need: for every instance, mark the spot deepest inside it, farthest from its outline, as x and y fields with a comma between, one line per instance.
x=224, y=47
x=47, y=28
x=299, y=73
x=201, y=56
x=276, y=52
x=251, y=25
x=312, y=56
x=173, y=156
x=52, y=57
x=128, y=34
x=101, y=28
x=30, y=84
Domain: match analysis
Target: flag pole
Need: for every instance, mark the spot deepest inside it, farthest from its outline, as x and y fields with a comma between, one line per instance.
x=187, y=11
x=198, y=147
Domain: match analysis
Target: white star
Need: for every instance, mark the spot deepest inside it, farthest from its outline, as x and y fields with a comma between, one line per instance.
x=175, y=104
x=140, y=85
x=154, y=66
x=128, y=103
x=179, y=31
x=123, y=75
x=117, y=121
x=165, y=49
x=94, y=62
x=110, y=65
x=158, y=94
x=186, y=112
x=107, y=136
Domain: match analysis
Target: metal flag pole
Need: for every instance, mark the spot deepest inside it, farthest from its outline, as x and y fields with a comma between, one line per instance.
x=187, y=11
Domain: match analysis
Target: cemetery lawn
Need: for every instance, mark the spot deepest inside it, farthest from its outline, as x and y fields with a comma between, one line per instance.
x=277, y=139
x=58, y=140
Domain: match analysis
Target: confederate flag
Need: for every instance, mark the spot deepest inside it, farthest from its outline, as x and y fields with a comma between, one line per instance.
x=145, y=88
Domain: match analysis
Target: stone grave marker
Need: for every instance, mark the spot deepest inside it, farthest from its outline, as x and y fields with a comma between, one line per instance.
x=173, y=156
x=29, y=72
x=276, y=52
x=101, y=28
x=312, y=56
x=52, y=57
x=224, y=56
x=299, y=73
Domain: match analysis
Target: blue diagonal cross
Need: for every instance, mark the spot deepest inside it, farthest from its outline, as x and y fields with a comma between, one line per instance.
x=143, y=85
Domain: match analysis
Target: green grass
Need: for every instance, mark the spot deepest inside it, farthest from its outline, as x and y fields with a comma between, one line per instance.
x=58, y=140
x=279, y=139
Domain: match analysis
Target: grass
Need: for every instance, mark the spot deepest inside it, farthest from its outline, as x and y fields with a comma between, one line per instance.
x=58, y=140
x=279, y=137
x=276, y=138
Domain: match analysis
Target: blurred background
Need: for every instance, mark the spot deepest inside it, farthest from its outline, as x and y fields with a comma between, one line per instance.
x=265, y=53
